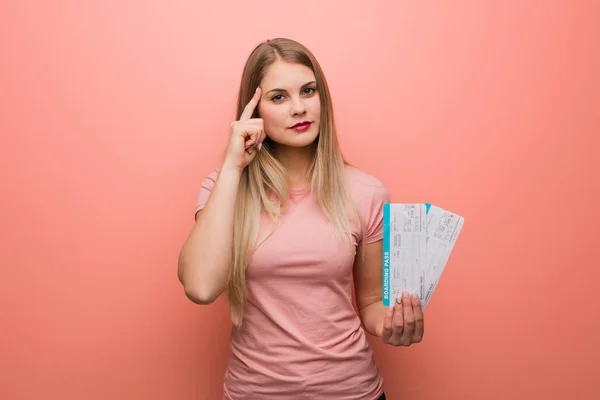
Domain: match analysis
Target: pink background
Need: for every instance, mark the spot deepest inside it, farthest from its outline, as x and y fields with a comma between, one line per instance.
x=112, y=114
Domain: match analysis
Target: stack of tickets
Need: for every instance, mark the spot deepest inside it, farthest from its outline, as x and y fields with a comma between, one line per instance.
x=417, y=242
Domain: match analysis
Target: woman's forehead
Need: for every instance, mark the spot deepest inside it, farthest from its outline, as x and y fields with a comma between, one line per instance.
x=283, y=75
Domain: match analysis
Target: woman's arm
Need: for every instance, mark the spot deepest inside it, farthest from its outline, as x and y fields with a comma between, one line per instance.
x=367, y=285
x=206, y=256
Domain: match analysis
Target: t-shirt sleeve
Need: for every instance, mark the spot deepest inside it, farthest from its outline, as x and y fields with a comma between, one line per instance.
x=205, y=189
x=374, y=213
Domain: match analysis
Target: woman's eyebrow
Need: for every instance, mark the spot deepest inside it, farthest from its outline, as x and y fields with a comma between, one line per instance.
x=283, y=90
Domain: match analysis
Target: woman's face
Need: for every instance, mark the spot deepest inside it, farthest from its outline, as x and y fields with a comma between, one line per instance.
x=290, y=96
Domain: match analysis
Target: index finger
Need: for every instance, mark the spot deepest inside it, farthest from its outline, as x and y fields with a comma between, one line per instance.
x=249, y=109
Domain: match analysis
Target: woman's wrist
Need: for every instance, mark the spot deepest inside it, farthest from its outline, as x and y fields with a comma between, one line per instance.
x=230, y=169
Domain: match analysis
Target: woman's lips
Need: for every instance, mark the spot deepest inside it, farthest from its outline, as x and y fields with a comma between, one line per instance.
x=302, y=126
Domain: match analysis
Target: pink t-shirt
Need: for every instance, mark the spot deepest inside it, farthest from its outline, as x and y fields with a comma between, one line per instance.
x=301, y=337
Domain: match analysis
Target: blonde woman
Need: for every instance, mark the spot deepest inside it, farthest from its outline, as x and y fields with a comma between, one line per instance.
x=292, y=233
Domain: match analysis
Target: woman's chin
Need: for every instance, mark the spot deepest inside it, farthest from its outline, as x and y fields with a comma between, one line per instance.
x=303, y=139
x=299, y=140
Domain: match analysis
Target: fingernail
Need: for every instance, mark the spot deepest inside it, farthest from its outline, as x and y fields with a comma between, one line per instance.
x=259, y=146
x=405, y=294
x=399, y=299
x=415, y=296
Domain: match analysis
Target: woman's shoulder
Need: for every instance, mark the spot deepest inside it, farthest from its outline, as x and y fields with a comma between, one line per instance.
x=358, y=178
x=370, y=195
x=367, y=190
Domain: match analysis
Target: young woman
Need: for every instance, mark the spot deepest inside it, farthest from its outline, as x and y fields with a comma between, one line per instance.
x=293, y=234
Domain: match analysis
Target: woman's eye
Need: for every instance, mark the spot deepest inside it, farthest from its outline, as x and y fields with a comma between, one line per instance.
x=279, y=97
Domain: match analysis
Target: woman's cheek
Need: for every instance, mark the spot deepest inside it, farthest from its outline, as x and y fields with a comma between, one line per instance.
x=270, y=117
x=317, y=104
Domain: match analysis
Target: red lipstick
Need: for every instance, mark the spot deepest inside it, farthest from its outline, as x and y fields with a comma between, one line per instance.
x=301, y=126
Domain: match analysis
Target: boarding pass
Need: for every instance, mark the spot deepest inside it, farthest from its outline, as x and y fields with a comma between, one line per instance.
x=417, y=242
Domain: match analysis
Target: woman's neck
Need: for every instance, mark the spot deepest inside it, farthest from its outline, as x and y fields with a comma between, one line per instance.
x=296, y=161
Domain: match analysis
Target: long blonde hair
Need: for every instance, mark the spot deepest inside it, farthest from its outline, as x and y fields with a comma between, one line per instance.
x=264, y=179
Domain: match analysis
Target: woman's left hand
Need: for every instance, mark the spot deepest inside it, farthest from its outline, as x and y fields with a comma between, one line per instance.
x=403, y=324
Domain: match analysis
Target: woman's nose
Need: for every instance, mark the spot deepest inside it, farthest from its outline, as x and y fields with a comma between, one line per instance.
x=297, y=107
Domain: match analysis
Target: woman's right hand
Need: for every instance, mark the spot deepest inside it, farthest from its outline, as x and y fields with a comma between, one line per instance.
x=246, y=136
